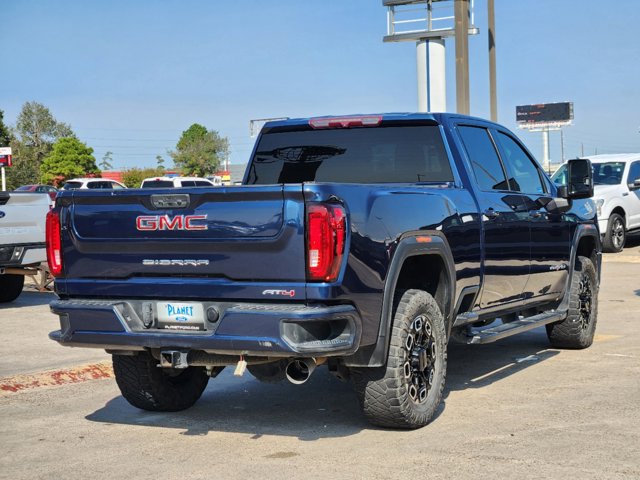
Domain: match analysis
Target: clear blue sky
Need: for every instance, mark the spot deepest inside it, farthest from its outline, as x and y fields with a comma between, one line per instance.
x=130, y=76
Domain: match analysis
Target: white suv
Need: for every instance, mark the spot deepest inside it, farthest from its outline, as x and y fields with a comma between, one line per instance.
x=91, y=183
x=616, y=179
x=176, y=182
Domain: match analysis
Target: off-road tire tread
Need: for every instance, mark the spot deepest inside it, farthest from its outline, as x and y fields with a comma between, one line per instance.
x=381, y=390
x=569, y=332
x=144, y=385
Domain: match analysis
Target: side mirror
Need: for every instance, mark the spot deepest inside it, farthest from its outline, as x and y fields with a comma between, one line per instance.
x=579, y=179
x=563, y=191
x=635, y=185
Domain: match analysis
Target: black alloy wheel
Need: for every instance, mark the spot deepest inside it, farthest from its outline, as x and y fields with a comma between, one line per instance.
x=421, y=354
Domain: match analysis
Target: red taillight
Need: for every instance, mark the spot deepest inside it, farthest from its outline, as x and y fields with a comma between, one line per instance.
x=346, y=122
x=54, y=243
x=325, y=241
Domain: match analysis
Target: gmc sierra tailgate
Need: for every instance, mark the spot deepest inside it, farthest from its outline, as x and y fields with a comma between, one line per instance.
x=225, y=243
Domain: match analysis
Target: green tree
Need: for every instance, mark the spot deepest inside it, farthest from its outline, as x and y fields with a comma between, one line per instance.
x=133, y=177
x=105, y=163
x=35, y=132
x=69, y=158
x=160, y=162
x=200, y=151
x=5, y=134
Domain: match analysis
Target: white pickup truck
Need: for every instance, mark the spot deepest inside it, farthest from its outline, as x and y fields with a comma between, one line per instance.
x=22, y=239
x=616, y=179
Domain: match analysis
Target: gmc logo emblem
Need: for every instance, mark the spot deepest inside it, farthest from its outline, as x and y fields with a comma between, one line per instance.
x=148, y=223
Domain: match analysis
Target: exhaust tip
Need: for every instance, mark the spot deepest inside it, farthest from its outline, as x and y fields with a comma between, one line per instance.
x=299, y=370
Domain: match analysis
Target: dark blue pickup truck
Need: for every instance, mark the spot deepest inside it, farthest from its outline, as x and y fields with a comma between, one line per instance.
x=364, y=243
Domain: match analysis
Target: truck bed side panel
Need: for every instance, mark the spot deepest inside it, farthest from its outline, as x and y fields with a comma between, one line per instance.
x=378, y=217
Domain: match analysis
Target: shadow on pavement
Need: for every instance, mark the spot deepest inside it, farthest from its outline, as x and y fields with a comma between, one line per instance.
x=323, y=407
x=633, y=240
x=30, y=299
x=476, y=366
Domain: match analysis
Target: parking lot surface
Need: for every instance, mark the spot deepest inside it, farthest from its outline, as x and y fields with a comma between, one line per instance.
x=513, y=409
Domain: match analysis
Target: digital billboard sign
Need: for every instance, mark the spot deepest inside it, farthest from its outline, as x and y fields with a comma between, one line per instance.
x=561, y=112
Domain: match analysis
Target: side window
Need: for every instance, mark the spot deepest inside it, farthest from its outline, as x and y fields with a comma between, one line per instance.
x=484, y=158
x=102, y=185
x=114, y=185
x=188, y=183
x=634, y=172
x=201, y=183
x=523, y=174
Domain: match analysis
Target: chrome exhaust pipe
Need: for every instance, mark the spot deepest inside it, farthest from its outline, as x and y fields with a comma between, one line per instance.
x=299, y=370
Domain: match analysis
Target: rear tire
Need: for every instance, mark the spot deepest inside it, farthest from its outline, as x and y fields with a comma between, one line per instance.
x=616, y=234
x=406, y=392
x=578, y=329
x=144, y=385
x=10, y=287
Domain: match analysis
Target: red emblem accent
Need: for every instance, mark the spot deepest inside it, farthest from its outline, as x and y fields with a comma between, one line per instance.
x=150, y=223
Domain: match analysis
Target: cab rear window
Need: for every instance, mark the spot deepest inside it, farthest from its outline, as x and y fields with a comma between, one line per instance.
x=406, y=154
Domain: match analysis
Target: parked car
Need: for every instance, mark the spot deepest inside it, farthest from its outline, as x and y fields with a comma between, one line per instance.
x=176, y=182
x=92, y=183
x=216, y=179
x=52, y=191
x=617, y=195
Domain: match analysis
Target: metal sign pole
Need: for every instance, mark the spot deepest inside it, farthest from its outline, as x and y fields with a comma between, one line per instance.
x=493, y=96
x=461, y=8
x=4, y=181
x=421, y=68
x=545, y=150
x=428, y=23
x=430, y=65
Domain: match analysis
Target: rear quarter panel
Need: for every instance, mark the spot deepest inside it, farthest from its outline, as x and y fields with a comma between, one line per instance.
x=378, y=216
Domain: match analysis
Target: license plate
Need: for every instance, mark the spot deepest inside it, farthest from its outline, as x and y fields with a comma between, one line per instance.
x=180, y=316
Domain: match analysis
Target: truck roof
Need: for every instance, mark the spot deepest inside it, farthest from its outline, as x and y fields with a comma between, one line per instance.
x=614, y=157
x=392, y=116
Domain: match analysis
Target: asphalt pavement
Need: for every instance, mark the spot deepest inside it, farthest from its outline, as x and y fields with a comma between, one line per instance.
x=513, y=409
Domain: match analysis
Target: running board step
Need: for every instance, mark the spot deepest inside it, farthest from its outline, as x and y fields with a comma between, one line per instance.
x=491, y=334
x=466, y=318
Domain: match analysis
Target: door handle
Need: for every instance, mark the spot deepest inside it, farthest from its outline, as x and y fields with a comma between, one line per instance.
x=491, y=214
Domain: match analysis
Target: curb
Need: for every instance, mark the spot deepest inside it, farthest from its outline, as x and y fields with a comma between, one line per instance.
x=83, y=373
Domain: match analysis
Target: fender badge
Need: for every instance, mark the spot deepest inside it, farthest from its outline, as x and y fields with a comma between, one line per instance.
x=281, y=293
